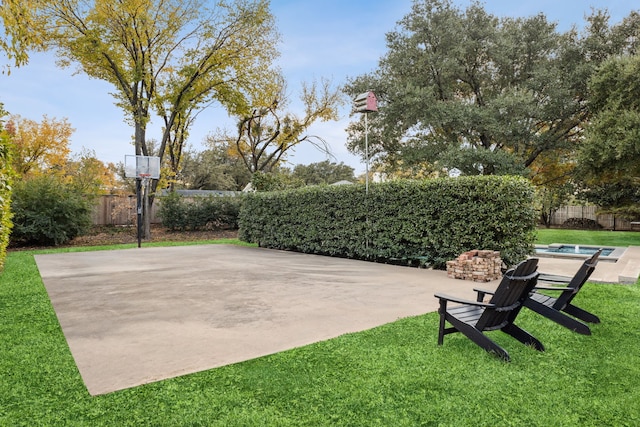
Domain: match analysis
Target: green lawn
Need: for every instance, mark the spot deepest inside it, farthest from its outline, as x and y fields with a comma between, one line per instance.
x=548, y=236
x=393, y=375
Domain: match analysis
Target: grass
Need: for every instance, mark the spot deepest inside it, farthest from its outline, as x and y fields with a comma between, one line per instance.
x=547, y=236
x=392, y=375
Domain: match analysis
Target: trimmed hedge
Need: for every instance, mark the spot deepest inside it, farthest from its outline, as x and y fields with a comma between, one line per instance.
x=433, y=220
x=199, y=213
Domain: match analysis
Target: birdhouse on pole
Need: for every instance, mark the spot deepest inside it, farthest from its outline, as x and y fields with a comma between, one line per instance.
x=366, y=102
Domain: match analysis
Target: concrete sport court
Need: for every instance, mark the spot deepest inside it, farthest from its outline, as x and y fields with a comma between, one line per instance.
x=135, y=316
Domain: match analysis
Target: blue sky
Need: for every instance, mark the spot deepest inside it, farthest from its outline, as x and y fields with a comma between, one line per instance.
x=333, y=39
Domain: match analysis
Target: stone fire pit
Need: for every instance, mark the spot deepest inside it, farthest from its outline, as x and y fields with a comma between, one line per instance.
x=476, y=265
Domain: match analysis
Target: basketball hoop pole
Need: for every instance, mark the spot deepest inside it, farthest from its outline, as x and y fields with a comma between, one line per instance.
x=142, y=178
x=139, y=208
x=142, y=168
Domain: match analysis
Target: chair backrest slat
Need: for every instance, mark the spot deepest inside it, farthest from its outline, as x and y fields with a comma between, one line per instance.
x=577, y=281
x=508, y=297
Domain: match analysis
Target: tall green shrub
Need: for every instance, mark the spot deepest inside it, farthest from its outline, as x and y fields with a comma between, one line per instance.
x=48, y=212
x=6, y=176
x=200, y=213
x=433, y=220
x=172, y=211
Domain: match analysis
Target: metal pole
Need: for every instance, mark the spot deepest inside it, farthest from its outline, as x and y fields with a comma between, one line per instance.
x=146, y=215
x=366, y=179
x=366, y=152
x=139, y=207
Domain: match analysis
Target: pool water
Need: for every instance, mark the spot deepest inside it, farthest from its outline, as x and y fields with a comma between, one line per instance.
x=570, y=249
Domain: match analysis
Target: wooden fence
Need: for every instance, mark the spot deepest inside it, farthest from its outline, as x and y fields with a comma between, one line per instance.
x=120, y=210
x=607, y=221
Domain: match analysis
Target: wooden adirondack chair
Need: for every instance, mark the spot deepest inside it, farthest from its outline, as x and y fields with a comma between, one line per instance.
x=472, y=318
x=553, y=307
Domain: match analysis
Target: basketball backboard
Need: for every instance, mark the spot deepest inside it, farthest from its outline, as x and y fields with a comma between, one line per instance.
x=142, y=167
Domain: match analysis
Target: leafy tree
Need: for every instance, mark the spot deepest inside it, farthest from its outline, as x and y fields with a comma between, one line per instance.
x=280, y=178
x=6, y=181
x=267, y=133
x=158, y=53
x=276, y=180
x=554, y=184
x=229, y=64
x=88, y=175
x=608, y=161
x=213, y=169
x=43, y=149
x=40, y=148
x=174, y=56
x=466, y=90
x=19, y=37
x=325, y=172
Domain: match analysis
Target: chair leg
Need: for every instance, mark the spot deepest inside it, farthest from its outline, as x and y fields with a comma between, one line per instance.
x=482, y=340
x=558, y=317
x=441, y=330
x=443, y=313
x=581, y=314
x=523, y=336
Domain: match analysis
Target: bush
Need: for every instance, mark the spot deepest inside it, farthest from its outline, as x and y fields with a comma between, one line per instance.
x=6, y=177
x=581, y=224
x=172, y=211
x=432, y=220
x=262, y=181
x=200, y=213
x=48, y=212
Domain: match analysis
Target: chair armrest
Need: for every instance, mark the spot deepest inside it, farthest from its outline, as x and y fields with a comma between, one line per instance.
x=443, y=297
x=481, y=293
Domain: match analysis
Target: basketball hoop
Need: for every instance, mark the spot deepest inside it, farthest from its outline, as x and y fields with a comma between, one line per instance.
x=143, y=169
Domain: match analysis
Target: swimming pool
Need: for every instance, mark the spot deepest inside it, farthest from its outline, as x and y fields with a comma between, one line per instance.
x=578, y=251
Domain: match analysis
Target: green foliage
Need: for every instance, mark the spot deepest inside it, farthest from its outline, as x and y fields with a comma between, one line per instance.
x=552, y=197
x=200, y=213
x=6, y=179
x=581, y=224
x=608, y=161
x=173, y=57
x=312, y=174
x=323, y=173
x=620, y=198
x=212, y=169
x=48, y=211
x=432, y=220
x=268, y=133
x=173, y=211
x=470, y=161
x=466, y=89
x=275, y=181
x=409, y=381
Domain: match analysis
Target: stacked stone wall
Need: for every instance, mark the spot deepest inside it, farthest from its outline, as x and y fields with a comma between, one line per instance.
x=476, y=265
